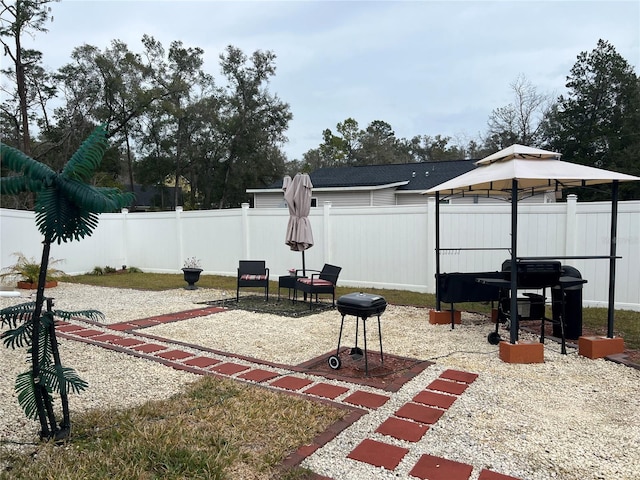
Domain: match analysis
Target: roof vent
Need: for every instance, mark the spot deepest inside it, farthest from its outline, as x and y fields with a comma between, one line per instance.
x=413, y=174
x=426, y=174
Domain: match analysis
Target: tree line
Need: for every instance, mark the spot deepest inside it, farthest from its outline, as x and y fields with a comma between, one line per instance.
x=170, y=122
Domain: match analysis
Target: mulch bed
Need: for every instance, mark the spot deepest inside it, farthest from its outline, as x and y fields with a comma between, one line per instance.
x=389, y=375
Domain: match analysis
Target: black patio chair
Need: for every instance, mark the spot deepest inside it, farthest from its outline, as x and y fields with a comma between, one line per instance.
x=321, y=282
x=253, y=273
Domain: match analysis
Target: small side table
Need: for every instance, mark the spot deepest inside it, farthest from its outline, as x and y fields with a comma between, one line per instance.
x=288, y=282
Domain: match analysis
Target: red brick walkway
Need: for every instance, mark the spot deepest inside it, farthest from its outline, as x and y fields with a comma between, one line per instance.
x=409, y=423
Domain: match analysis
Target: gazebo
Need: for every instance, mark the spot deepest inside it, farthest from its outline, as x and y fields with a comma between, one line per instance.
x=519, y=171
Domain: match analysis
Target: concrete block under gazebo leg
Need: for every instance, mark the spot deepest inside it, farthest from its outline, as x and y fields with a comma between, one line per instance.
x=598, y=347
x=443, y=317
x=526, y=352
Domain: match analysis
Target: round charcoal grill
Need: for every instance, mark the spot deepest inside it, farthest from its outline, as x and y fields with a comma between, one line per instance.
x=362, y=306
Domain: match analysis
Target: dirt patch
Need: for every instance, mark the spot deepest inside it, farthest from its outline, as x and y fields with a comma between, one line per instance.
x=389, y=375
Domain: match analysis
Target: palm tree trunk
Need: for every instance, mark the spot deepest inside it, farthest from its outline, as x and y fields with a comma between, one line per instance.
x=65, y=426
x=41, y=395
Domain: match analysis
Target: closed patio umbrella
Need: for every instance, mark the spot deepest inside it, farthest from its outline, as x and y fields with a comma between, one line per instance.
x=518, y=171
x=297, y=194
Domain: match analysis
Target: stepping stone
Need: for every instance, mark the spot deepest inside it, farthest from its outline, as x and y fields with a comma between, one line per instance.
x=459, y=376
x=201, y=362
x=435, y=399
x=145, y=323
x=448, y=386
x=175, y=355
x=366, y=399
x=489, y=475
x=258, y=375
x=148, y=348
x=85, y=333
x=325, y=390
x=69, y=328
x=378, y=454
x=436, y=468
x=402, y=429
x=291, y=383
x=229, y=368
x=419, y=413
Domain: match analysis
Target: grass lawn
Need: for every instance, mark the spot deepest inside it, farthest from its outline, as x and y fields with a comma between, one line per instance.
x=217, y=429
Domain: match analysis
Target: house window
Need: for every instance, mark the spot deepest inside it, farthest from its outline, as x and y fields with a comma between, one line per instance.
x=314, y=202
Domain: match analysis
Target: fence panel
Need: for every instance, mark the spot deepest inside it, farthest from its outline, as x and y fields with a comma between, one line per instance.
x=388, y=247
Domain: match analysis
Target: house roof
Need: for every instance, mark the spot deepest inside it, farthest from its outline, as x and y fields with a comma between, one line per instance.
x=405, y=176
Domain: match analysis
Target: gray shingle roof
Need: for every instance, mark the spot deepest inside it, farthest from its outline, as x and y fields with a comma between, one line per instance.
x=421, y=176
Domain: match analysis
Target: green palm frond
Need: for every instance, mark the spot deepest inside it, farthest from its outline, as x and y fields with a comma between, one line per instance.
x=25, y=388
x=19, y=184
x=18, y=337
x=89, y=314
x=62, y=379
x=60, y=219
x=83, y=164
x=22, y=164
x=11, y=316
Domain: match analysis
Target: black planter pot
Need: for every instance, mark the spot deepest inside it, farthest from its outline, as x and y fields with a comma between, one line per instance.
x=191, y=276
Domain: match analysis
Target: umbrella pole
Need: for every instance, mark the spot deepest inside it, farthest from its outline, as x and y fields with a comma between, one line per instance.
x=437, y=251
x=612, y=257
x=304, y=273
x=514, y=262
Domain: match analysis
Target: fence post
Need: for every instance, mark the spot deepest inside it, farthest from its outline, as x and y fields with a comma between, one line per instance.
x=571, y=222
x=246, y=250
x=180, y=237
x=431, y=245
x=125, y=246
x=326, y=220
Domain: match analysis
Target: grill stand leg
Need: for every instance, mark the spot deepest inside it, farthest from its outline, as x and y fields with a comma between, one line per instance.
x=563, y=348
x=380, y=336
x=364, y=330
x=340, y=336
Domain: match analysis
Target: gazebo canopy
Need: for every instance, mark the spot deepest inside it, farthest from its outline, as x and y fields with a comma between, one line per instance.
x=535, y=170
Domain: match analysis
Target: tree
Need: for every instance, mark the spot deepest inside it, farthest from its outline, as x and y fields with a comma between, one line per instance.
x=171, y=126
x=423, y=148
x=596, y=123
x=17, y=19
x=67, y=209
x=379, y=145
x=520, y=121
x=248, y=125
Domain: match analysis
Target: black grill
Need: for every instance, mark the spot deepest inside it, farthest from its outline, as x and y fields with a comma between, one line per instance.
x=535, y=274
x=361, y=305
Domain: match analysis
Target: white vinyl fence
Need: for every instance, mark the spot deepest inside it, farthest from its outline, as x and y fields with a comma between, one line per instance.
x=386, y=247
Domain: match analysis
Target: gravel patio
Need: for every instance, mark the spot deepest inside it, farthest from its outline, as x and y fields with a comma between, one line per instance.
x=569, y=418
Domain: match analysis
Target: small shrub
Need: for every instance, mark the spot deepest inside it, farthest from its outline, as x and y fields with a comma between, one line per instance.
x=134, y=270
x=109, y=269
x=97, y=271
x=28, y=269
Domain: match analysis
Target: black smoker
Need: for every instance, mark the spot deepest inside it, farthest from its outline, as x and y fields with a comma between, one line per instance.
x=362, y=306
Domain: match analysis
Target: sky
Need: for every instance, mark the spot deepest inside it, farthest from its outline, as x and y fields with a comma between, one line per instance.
x=424, y=67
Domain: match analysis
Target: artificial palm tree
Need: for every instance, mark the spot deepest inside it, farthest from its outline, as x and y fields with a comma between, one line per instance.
x=67, y=209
